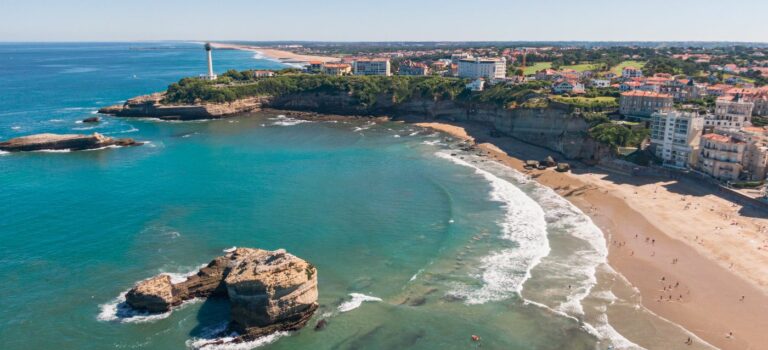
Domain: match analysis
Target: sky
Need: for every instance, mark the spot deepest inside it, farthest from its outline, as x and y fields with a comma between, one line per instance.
x=391, y=20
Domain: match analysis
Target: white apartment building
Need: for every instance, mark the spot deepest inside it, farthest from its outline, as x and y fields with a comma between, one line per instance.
x=631, y=72
x=675, y=137
x=374, y=66
x=488, y=68
x=731, y=113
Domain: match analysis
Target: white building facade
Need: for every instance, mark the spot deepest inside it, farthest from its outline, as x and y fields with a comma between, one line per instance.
x=731, y=114
x=375, y=66
x=675, y=137
x=488, y=68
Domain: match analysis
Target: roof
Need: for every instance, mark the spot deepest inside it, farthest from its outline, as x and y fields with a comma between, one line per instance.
x=336, y=65
x=640, y=93
x=720, y=138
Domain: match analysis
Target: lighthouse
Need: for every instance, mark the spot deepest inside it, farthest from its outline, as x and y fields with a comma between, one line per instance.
x=210, y=75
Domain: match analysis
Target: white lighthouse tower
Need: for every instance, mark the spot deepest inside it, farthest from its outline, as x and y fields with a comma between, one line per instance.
x=210, y=75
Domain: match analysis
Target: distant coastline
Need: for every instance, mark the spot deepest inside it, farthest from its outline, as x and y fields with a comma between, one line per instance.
x=282, y=56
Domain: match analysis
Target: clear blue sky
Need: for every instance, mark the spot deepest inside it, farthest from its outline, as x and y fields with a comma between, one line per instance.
x=389, y=20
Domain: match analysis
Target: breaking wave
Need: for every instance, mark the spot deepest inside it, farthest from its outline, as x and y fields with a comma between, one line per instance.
x=212, y=339
x=504, y=272
x=356, y=301
x=282, y=120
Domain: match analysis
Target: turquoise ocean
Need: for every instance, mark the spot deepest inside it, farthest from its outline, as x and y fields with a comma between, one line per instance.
x=416, y=248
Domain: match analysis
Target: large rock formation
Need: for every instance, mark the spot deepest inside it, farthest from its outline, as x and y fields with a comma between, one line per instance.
x=268, y=291
x=73, y=142
x=152, y=106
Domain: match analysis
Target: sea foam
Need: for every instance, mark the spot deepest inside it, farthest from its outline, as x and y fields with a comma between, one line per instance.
x=356, y=302
x=505, y=271
x=211, y=339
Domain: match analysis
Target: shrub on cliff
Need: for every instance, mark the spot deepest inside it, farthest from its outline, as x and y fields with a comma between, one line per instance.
x=366, y=89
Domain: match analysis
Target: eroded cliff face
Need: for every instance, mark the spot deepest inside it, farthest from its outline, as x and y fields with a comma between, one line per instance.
x=557, y=129
x=268, y=291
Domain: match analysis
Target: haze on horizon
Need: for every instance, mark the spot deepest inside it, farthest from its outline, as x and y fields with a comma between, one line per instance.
x=393, y=20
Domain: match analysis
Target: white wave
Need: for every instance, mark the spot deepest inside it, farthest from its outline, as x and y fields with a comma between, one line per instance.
x=211, y=339
x=2, y=153
x=85, y=128
x=581, y=265
x=54, y=151
x=178, y=277
x=366, y=126
x=357, y=300
x=95, y=111
x=396, y=136
x=282, y=120
x=230, y=250
x=56, y=120
x=117, y=310
x=132, y=129
x=413, y=278
x=15, y=127
x=431, y=143
x=413, y=133
x=504, y=272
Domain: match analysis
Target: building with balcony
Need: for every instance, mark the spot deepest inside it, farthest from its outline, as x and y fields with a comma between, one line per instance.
x=731, y=113
x=372, y=66
x=338, y=69
x=675, y=137
x=721, y=156
x=488, y=68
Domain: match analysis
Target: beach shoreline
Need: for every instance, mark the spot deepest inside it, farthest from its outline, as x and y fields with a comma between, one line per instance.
x=706, y=296
x=282, y=56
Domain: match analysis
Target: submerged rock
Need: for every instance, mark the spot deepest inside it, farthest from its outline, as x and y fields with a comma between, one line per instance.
x=73, y=142
x=91, y=120
x=268, y=291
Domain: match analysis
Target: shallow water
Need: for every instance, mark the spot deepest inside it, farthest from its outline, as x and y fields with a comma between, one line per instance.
x=416, y=248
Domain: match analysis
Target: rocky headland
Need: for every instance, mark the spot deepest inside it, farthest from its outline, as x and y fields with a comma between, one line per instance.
x=268, y=291
x=556, y=127
x=152, y=106
x=72, y=142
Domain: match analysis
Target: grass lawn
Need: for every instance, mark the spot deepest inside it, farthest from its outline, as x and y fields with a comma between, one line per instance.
x=582, y=67
x=583, y=99
x=618, y=68
x=537, y=67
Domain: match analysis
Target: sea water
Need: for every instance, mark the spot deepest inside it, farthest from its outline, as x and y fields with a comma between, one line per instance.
x=418, y=244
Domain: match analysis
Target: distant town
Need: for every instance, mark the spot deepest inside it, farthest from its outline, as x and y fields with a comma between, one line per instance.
x=700, y=109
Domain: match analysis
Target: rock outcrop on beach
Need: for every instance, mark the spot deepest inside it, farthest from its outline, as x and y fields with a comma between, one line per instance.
x=151, y=106
x=72, y=142
x=268, y=291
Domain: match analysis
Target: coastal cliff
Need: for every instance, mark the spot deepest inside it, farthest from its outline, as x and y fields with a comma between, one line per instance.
x=268, y=291
x=554, y=127
x=151, y=106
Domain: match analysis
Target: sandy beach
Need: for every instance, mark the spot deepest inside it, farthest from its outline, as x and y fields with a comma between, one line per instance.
x=275, y=54
x=698, y=260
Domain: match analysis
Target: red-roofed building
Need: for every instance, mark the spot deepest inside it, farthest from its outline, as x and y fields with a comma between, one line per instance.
x=644, y=103
x=337, y=69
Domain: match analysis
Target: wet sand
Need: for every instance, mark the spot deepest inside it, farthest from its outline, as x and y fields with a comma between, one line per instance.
x=676, y=259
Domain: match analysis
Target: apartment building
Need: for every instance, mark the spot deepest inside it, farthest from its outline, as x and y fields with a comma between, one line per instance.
x=488, y=68
x=676, y=136
x=644, y=103
x=731, y=113
x=372, y=66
